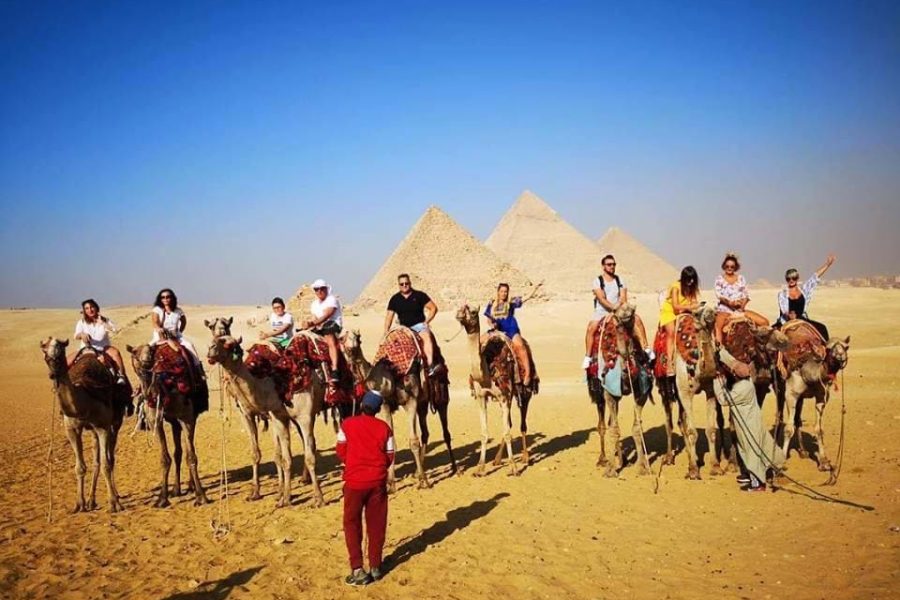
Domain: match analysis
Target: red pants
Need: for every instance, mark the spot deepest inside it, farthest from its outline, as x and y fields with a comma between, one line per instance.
x=374, y=501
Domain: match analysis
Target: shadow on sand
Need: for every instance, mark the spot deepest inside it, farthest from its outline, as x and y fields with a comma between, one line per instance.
x=456, y=520
x=218, y=589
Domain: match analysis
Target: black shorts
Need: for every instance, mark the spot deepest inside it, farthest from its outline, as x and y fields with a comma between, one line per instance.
x=328, y=328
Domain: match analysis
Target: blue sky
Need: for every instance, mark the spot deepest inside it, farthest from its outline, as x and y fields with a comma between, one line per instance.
x=234, y=150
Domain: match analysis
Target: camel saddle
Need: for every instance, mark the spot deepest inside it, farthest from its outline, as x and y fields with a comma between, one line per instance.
x=264, y=360
x=175, y=373
x=604, y=347
x=660, y=348
x=503, y=365
x=806, y=343
x=401, y=349
x=307, y=354
x=738, y=338
x=90, y=373
x=688, y=345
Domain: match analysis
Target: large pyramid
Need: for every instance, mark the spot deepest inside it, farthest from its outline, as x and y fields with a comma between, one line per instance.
x=447, y=262
x=640, y=269
x=534, y=238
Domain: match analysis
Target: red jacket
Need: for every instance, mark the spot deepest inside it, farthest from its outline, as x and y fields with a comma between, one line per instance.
x=366, y=447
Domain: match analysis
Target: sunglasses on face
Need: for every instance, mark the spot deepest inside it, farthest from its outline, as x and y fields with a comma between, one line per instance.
x=319, y=289
x=609, y=264
x=166, y=297
x=404, y=284
x=793, y=278
x=730, y=266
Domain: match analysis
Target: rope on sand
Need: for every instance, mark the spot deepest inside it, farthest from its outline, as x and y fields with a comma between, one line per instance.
x=221, y=525
x=836, y=470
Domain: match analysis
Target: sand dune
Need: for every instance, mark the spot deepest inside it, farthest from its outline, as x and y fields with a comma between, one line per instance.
x=559, y=531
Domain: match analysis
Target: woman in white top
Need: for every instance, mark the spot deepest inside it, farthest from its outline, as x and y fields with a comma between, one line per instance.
x=282, y=324
x=327, y=321
x=169, y=322
x=92, y=330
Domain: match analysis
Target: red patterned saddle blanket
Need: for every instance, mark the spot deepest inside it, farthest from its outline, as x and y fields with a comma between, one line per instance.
x=605, y=346
x=504, y=366
x=401, y=349
x=293, y=368
x=806, y=342
x=740, y=341
x=171, y=370
x=689, y=346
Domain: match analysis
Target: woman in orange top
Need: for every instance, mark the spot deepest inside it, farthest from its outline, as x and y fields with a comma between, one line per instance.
x=683, y=296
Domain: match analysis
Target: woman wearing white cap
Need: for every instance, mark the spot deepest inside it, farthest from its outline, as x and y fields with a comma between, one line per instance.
x=327, y=321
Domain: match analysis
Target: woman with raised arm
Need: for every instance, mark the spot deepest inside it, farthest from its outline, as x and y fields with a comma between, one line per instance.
x=794, y=299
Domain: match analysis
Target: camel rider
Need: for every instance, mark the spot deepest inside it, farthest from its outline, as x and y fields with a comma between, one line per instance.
x=281, y=323
x=410, y=307
x=501, y=312
x=327, y=321
x=169, y=322
x=732, y=296
x=609, y=294
x=92, y=330
x=794, y=299
x=683, y=296
x=758, y=451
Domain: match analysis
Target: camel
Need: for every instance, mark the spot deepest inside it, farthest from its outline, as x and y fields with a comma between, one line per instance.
x=258, y=397
x=351, y=346
x=622, y=348
x=695, y=331
x=502, y=388
x=810, y=368
x=93, y=408
x=177, y=409
x=756, y=345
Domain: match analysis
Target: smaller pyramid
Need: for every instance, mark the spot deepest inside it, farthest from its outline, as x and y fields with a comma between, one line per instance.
x=763, y=283
x=637, y=265
x=532, y=237
x=446, y=262
x=298, y=303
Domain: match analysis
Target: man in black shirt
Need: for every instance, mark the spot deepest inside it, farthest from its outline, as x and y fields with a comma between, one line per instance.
x=410, y=307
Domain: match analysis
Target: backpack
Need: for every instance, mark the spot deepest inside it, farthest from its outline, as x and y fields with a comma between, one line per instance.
x=603, y=287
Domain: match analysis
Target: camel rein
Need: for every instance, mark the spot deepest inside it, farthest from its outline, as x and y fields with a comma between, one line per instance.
x=760, y=453
x=221, y=524
x=640, y=423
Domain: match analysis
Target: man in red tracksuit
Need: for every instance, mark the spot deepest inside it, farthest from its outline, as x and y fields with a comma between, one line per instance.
x=365, y=445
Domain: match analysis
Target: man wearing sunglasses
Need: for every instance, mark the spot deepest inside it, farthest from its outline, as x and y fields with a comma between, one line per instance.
x=414, y=309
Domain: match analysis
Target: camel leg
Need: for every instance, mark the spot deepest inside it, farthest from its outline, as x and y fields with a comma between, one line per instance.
x=636, y=433
x=482, y=409
x=74, y=435
x=821, y=402
x=305, y=476
x=602, y=461
x=798, y=428
x=415, y=444
x=506, y=406
x=731, y=437
x=501, y=447
x=422, y=415
x=306, y=420
x=712, y=435
x=165, y=462
x=523, y=426
x=790, y=405
x=615, y=441
x=281, y=438
x=669, y=407
x=95, y=474
x=255, y=453
x=688, y=430
x=445, y=427
x=190, y=427
x=103, y=442
x=177, y=454
x=113, y=443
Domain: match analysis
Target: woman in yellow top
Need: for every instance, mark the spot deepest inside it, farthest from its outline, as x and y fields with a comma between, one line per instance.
x=682, y=296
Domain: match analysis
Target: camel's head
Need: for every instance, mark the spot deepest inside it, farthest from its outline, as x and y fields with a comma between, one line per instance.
x=220, y=326
x=706, y=316
x=837, y=353
x=625, y=315
x=773, y=340
x=55, y=355
x=225, y=348
x=468, y=318
x=351, y=342
x=142, y=360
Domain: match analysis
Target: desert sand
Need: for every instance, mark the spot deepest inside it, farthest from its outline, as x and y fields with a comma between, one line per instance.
x=560, y=530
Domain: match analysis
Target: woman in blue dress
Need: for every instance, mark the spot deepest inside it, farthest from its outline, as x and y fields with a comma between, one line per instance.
x=501, y=312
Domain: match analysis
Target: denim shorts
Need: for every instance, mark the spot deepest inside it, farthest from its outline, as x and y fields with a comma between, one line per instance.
x=420, y=327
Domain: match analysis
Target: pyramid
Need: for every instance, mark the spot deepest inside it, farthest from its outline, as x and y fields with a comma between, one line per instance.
x=532, y=237
x=640, y=269
x=445, y=261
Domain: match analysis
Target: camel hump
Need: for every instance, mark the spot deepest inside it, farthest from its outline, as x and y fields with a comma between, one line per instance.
x=739, y=340
x=89, y=372
x=806, y=344
x=736, y=320
x=800, y=329
x=400, y=349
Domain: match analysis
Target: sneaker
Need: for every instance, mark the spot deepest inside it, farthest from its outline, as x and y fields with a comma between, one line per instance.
x=743, y=479
x=586, y=363
x=358, y=577
x=120, y=380
x=376, y=574
x=754, y=488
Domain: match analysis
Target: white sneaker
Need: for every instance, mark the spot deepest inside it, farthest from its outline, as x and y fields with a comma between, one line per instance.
x=586, y=363
x=650, y=353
